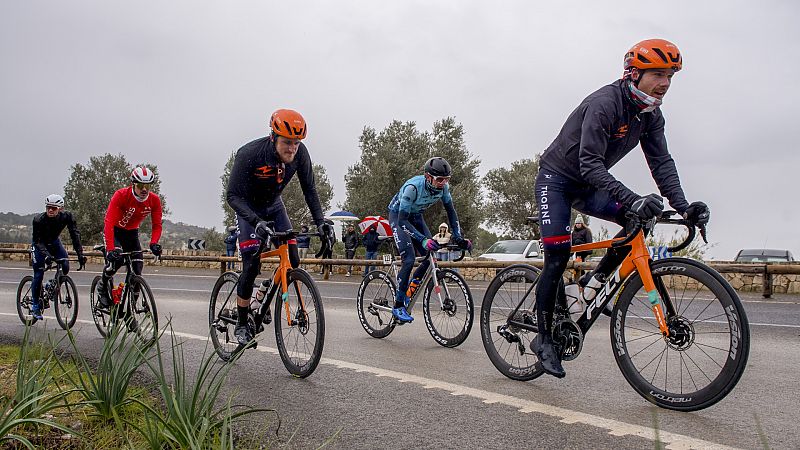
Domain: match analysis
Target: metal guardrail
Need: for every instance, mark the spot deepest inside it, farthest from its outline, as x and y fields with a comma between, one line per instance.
x=765, y=269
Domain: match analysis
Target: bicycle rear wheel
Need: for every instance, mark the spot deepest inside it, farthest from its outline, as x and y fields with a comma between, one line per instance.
x=299, y=324
x=102, y=319
x=66, y=302
x=375, y=294
x=222, y=316
x=706, y=353
x=511, y=296
x=448, y=309
x=25, y=300
x=141, y=315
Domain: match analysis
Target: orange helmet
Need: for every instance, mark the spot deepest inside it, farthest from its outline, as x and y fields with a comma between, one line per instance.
x=654, y=54
x=289, y=124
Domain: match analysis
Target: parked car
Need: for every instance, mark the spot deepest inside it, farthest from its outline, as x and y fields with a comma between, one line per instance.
x=514, y=250
x=763, y=255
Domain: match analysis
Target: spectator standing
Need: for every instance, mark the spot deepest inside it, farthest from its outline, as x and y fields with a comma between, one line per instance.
x=230, y=244
x=581, y=234
x=351, y=241
x=303, y=242
x=443, y=238
x=371, y=245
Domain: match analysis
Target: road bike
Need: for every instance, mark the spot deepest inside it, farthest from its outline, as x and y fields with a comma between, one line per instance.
x=446, y=301
x=132, y=301
x=60, y=290
x=299, y=316
x=678, y=330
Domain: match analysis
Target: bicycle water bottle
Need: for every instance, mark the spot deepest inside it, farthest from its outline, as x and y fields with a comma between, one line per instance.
x=116, y=294
x=575, y=303
x=412, y=287
x=260, y=294
x=593, y=287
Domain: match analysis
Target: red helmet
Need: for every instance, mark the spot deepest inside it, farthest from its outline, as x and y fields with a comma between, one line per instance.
x=654, y=54
x=289, y=124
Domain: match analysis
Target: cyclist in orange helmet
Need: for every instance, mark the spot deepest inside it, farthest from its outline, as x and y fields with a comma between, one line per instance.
x=261, y=170
x=573, y=173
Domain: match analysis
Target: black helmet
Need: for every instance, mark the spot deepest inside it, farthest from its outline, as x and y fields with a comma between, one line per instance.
x=438, y=167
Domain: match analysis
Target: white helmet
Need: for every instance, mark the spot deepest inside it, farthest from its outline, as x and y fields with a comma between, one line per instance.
x=54, y=200
x=142, y=175
x=579, y=220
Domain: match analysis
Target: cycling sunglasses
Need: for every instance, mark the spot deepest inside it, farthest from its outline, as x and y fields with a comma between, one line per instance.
x=142, y=186
x=440, y=180
x=49, y=208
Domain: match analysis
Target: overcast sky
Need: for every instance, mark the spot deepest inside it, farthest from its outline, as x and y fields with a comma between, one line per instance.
x=184, y=83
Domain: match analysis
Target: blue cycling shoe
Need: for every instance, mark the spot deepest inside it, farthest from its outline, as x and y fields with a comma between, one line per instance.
x=402, y=315
x=36, y=312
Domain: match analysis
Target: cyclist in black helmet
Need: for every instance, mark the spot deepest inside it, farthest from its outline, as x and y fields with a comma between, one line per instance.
x=411, y=234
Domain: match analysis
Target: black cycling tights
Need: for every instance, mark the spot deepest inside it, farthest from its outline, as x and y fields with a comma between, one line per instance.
x=555, y=262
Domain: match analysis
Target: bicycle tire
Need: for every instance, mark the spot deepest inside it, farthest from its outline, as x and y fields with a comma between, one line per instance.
x=102, y=320
x=450, y=322
x=513, y=286
x=66, y=306
x=713, y=313
x=377, y=288
x=24, y=300
x=143, y=307
x=223, y=297
x=301, y=335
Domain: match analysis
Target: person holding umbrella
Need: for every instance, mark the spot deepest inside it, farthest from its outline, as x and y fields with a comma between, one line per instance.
x=371, y=244
x=411, y=234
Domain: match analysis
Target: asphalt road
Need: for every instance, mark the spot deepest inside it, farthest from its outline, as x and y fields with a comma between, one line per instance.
x=406, y=391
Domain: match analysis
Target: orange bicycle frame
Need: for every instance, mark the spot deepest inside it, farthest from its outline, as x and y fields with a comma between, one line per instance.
x=637, y=260
x=281, y=275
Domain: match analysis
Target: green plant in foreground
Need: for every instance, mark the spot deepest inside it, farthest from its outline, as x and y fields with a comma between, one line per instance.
x=33, y=397
x=107, y=391
x=191, y=419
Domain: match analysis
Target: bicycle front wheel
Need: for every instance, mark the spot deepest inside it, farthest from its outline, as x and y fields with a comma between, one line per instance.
x=511, y=300
x=222, y=316
x=25, y=300
x=102, y=319
x=374, y=302
x=709, y=336
x=448, y=309
x=66, y=302
x=299, y=324
x=142, y=315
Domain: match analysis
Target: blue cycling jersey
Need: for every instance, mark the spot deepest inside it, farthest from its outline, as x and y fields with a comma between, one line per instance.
x=415, y=196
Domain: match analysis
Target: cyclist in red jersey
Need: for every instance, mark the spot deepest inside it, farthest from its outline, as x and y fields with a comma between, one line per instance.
x=127, y=209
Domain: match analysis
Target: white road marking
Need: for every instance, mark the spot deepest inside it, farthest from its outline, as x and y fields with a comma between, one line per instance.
x=567, y=416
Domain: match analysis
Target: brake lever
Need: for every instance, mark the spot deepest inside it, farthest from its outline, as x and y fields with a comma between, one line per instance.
x=702, y=228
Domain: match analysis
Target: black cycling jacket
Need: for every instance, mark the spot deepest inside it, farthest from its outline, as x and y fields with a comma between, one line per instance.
x=258, y=177
x=604, y=128
x=47, y=229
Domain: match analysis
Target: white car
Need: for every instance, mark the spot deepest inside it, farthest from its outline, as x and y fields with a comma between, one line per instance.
x=514, y=250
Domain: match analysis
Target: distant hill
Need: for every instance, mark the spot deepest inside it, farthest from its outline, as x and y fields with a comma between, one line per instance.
x=16, y=228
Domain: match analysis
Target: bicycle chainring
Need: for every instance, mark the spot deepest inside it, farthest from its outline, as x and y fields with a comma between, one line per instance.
x=568, y=338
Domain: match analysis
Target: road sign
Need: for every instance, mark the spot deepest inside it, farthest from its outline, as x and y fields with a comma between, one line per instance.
x=196, y=244
x=659, y=252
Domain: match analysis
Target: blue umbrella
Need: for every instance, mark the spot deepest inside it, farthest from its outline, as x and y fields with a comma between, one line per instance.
x=342, y=215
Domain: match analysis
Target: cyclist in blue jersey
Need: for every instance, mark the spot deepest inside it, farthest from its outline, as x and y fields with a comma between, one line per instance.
x=573, y=173
x=411, y=234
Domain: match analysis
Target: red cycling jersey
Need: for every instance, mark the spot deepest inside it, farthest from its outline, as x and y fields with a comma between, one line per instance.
x=126, y=212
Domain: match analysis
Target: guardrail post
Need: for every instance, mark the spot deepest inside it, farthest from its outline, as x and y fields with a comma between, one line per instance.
x=767, y=283
x=222, y=267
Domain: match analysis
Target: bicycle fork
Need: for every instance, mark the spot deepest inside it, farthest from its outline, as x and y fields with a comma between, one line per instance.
x=642, y=264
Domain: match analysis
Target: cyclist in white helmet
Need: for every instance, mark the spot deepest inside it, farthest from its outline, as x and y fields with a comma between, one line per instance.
x=47, y=246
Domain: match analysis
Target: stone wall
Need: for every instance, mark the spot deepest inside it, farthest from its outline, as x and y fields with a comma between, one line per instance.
x=745, y=282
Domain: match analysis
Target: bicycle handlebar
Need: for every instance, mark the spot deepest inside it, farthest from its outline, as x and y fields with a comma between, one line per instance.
x=666, y=218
